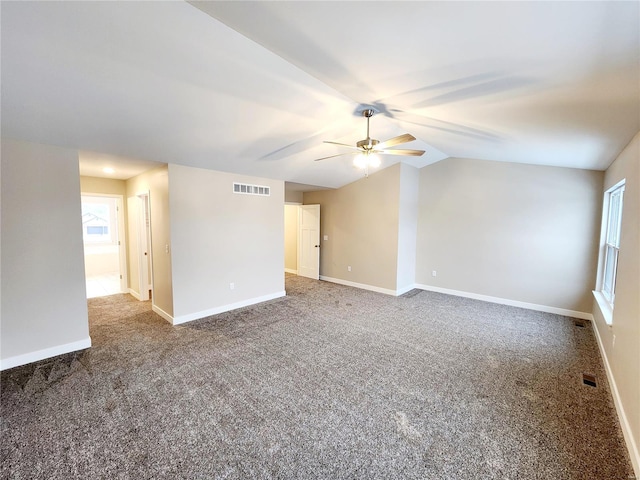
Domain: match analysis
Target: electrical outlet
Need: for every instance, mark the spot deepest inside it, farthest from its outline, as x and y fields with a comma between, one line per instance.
x=434, y=273
x=232, y=286
x=326, y=237
x=349, y=268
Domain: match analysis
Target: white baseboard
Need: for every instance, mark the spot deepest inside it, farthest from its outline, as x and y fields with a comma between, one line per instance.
x=363, y=286
x=403, y=290
x=632, y=446
x=506, y=301
x=226, y=308
x=162, y=313
x=458, y=293
x=134, y=294
x=44, y=353
x=291, y=270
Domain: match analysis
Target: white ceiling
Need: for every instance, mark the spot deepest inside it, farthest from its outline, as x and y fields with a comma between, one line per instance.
x=254, y=87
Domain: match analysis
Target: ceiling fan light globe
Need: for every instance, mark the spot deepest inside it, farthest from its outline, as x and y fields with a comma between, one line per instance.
x=360, y=161
x=374, y=160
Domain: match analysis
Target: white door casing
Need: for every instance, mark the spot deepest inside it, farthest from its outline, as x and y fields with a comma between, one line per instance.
x=309, y=242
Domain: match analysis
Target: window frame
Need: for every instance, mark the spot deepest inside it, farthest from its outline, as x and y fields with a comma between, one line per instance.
x=612, y=211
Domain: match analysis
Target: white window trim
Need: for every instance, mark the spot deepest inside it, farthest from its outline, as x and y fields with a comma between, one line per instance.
x=607, y=304
x=605, y=307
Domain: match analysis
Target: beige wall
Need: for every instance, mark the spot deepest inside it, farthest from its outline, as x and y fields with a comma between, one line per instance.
x=623, y=355
x=361, y=220
x=44, y=307
x=105, y=186
x=293, y=196
x=156, y=182
x=513, y=231
x=291, y=237
x=220, y=237
x=101, y=260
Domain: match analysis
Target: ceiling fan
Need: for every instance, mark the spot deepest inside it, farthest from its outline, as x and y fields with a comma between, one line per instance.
x=368, y=149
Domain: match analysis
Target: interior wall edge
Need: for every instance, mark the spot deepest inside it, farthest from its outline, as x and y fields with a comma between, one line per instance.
x=162, y=313
x=43, y=354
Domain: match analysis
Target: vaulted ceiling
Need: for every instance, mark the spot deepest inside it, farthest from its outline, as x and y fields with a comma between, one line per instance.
x=255, y=87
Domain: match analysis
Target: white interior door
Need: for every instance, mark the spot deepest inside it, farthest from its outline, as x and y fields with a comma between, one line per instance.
x=144, y=244
x=133, y=222
x=309, y=242
x=139, y=246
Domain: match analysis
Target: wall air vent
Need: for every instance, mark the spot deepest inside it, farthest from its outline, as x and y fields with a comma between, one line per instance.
x=246, y=189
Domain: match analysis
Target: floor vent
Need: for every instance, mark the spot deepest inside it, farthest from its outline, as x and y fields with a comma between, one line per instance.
x=246, y=189
x=579, y=323
x=589, y=379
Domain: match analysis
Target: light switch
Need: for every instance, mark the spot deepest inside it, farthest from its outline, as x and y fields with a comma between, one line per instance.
x=326, y=237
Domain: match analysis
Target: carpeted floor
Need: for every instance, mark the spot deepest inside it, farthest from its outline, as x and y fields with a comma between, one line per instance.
x=329, y=382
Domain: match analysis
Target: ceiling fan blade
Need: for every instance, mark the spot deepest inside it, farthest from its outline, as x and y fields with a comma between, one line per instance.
x=338, y=155
x=404, y=138
x=342, y=144
x=414, y=153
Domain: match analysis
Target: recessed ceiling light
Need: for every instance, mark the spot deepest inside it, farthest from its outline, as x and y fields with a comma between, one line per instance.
x=108, y=170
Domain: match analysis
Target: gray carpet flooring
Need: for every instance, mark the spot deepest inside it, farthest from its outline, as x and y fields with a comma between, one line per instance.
x=329, y=382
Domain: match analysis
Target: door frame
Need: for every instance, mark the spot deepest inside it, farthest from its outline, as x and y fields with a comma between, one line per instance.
x=297, y=232
x=122, y=240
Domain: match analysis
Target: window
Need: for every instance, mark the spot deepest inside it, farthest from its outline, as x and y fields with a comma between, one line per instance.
x=98, y=218
x=612, y=213
x=97, y=230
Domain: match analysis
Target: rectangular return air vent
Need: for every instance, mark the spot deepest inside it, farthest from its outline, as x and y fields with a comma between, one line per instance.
x=247, y=189
x=589, y=379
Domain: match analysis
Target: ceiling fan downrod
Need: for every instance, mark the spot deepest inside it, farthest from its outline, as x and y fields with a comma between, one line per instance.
x=368, y=143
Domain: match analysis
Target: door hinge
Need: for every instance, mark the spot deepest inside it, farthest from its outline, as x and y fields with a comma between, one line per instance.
x=118, y=242
x=120, y=277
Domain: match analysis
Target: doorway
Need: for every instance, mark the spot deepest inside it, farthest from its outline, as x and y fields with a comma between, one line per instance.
x=103, y=240
x=302, y=240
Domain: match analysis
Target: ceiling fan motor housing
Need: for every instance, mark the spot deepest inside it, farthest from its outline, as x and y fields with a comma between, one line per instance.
x=367, y=143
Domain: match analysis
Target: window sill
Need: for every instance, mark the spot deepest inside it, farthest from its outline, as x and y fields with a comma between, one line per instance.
x=605, y=307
